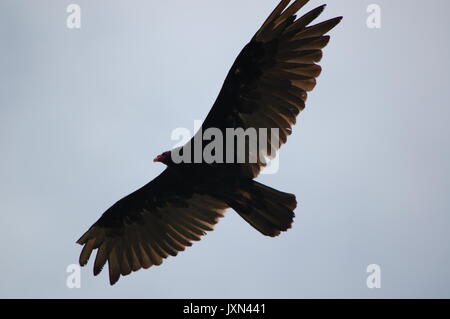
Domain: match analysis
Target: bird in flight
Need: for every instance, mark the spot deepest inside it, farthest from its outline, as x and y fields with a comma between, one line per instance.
x=265, y=88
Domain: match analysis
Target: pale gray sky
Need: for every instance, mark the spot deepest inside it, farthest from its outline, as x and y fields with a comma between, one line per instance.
x=83, y=112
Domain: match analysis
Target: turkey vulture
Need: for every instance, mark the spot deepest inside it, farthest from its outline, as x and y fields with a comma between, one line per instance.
x=265, y=88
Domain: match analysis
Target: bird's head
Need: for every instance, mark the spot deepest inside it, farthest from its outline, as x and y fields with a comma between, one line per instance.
x=165, y=158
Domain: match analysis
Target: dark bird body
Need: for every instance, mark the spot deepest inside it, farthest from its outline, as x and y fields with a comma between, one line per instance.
x=265, y=88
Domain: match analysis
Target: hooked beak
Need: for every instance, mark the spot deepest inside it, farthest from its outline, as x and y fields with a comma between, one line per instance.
x=157, y=159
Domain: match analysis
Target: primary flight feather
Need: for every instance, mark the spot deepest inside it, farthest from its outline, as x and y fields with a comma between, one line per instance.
x=265, y=88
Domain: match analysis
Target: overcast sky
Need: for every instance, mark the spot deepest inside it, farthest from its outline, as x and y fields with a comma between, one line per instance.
x=84, y=111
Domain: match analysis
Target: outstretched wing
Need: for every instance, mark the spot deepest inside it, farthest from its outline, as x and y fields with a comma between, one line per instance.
x=268, y=83
x=154, y=222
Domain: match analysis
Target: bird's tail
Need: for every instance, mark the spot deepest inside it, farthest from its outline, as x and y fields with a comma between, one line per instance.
x=268, y=210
